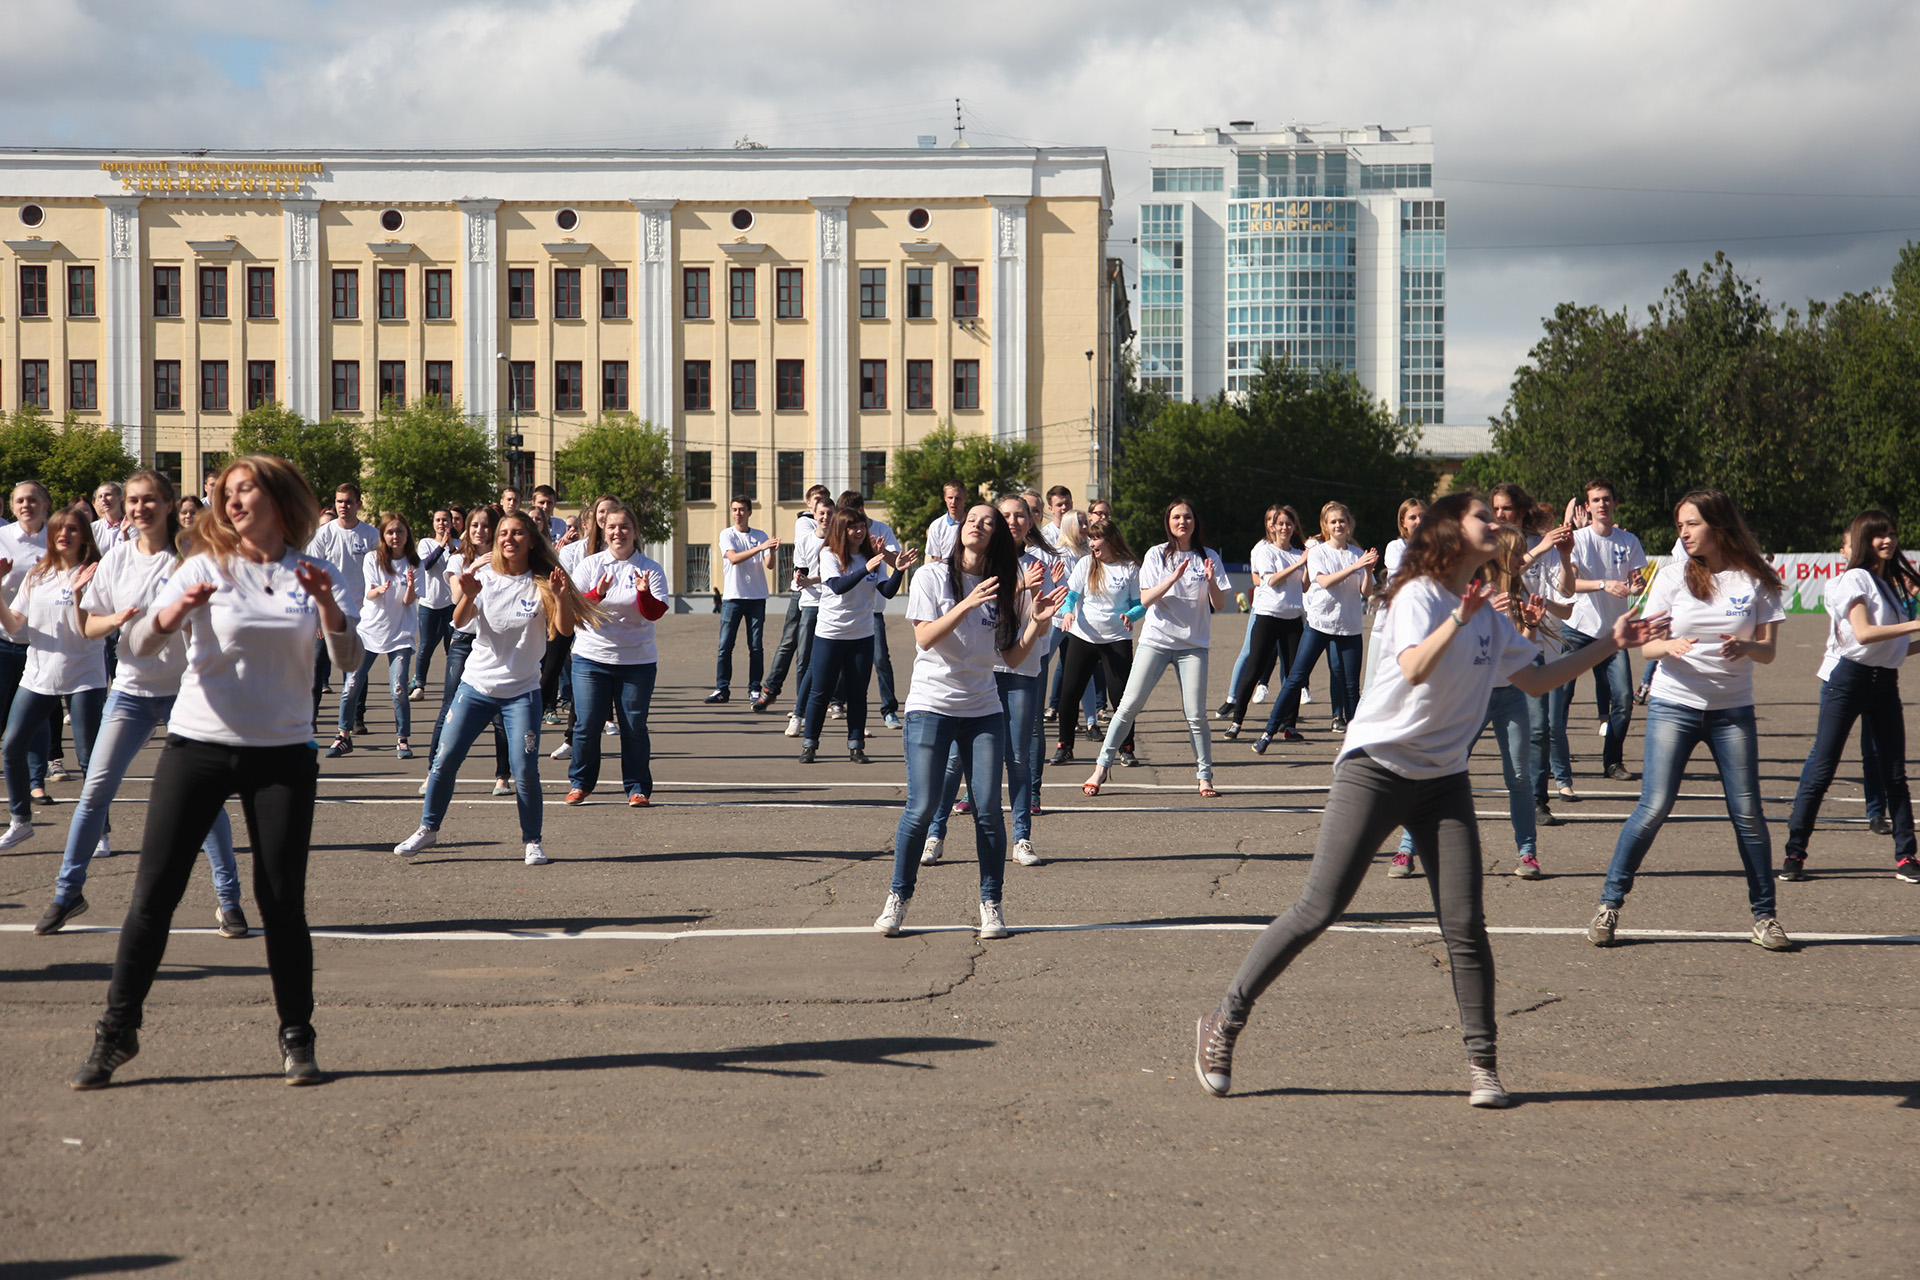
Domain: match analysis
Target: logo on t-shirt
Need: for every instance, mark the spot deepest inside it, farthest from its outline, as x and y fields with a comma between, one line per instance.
x=1737, y=605
x=1485, y=656
x=527, y=605
x=990, y=614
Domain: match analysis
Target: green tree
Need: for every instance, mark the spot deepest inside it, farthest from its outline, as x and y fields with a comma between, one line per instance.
x=425, y=455
x=327, y=453
x=26, y=438
x=630, y=459
x=83, y=457
x=912, y=491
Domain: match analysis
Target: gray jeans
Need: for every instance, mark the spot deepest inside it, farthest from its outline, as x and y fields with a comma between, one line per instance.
x=1149, y=664
x=1366, y=803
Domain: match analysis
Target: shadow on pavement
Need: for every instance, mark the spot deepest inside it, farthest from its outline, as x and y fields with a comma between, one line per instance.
x=1705, y=1091
x=85, y=1266
x=567, y=924
x=100, y=971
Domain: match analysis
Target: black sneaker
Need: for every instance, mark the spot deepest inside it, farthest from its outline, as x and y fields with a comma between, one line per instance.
x=857, y=755
x=1232, y=733
x=59, y=913
x=1618, y=772
x=1213, y=1052
x=1060, y=756
x=1908, y=869
x=762, y=702
x=232, y=922
x=1880, y=824
x=342, y=746
x=1793, y=869
x=296, y=1051
x=360, y=726
x=1224, y=710
x=113, y=1048
x=715, y=698
x=1545, y=817
x=1129, y=759
x=1053, y=714
x=806, y=755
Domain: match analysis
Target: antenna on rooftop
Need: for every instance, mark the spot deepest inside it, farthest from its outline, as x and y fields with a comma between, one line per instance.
x=959, y=124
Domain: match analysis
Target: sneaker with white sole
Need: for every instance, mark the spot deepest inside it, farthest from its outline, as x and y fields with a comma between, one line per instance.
x=1768, y=933
x=17, y=832
x=1529, y=868
x=1605, y=921
x=501, y=787
x=536, y=856
x=103, y=849
x=892, y=916
x=930, y=851
x=992, y=923
x=1213, y=1052
x=424, y=838
x=1401, y=868
x=1907, y=869
x=1259, y=693
x=1483, y=1084
x=793, y=726
x=562, y=752
x=612, y=727
x=1306, y=695
x=1024, y=855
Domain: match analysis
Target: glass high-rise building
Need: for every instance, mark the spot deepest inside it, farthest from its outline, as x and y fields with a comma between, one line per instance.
x=1325, y=245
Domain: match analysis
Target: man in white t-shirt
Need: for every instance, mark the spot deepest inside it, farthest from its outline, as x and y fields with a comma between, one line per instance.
x=343, y=543
x=1059, y=502
x=544, y=498
x=803, y=603
x=746, y=554
x=882, y=534
x=1603, y=568
x=109, y=500
x=945, y=530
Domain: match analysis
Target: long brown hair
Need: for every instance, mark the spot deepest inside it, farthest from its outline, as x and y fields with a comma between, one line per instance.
x=469, y=545
x=1108, y=531
x=1437, y=546
x=594, y=534
x=542, y=560
x=285, y=487
x=838, y=528
x=1299, y=542
x=1896, y=574
x=1533, y=518
x=383, y=554
x=1505, y=577
x=168, y=497
x=89, y=549
x=1738, y=547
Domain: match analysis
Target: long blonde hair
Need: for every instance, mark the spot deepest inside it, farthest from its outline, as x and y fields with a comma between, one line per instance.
x=88, y=553
x=285, y=487
x=542, y=560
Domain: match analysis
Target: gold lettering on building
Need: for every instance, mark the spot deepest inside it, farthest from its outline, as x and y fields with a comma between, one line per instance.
x=262, y=177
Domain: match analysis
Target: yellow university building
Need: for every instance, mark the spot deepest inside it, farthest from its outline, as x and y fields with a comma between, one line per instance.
x=795, y=316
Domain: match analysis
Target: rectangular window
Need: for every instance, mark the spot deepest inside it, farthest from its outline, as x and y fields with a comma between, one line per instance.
x=613, y=293
x=567, y=392
x=166, y=384
x=873, y=384
x=699, y=476
x=966, y=384
x=746, y=386
x=740, y=293
x=35, y=390
x=213, y=293
x=699, y=569
x=919, y=293
x=393, y=293
x=259, y=383
x=873, y=293
x=166, y=291
x=966, y=292
x=613, y=384
x=566, y=293
x=745, y=475
x=393, y=382
x=873, y=472
x=167, y=463
x=259, y=293
x=80, y=291
x=789, y=384
x=346, y=295
x=789, y=285
x=919, y=384
x=33, y=291
x=212, y=463
x=213, y=384
x=519, y=294
x=697, y=380
x=790, y=476
x=696, y=293
x=520, y=385
x=346, y=384
x=440, y=379
x=83, y=384
x=439, y=290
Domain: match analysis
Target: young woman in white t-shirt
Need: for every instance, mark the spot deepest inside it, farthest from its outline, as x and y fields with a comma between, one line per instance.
x=969, y=614
x=1336, y=609
x=1404, y=763
x=1869, y=634
x=252, y=604
x=1102, y=608
x=141, y=698
x=1411, y=512
x=614, y=660
x=475, y=556
x=1279, y=564
x=22, y=543
x=1723, y=603
x=854, y=575
x=62, y=662
x=1071, y=543
x=435, y=610
x=388, y=626
x=524, y=602
x=1182, y=581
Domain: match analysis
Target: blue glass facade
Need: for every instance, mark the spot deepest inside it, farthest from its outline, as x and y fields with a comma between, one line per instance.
x=1423, y=310
x=1163, y=258
x=1292, y=283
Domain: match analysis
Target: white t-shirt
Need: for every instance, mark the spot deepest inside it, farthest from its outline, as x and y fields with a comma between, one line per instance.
x=955, y=676
x=848, y=615
x=1283, y=601
x=807, y=543
x=1183, y=617
x=625, y=639
x=941, y=535
x=431, y=584
x=249, y=679
x=1859, y=585
x=1542, y=578
x=346, y=551
x=572, y=554
x=1609, y=559
x=1390, y=561
x=1099, y=617
x=107, y=535
x=509, y=637
x=60, y=658
x=386, y=624
x=748, y=579
x=126, y=579
x=1426, y=731
x=1031, y=666
x=1702, y=678
x=24, y=551
x=1341, y=610
x=482, y=566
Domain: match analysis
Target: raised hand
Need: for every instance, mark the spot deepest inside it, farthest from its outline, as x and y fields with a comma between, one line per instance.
x=1180, y=570
x=1621, y=590
x=557, y=579
x=1371, y=558
x=988, y=589
x=468, y=580
x=196, y=596
x=1049, y=604
x=1032, y=576
x=85, y=575
x=1630, y=632
x=1534, y=611
x=374, y=593
x=1477, y=594
x=605, y=585
x=906, y=559
x=315, y=581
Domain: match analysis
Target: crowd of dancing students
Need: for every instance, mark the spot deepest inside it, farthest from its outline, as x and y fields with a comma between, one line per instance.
x=1483, y=615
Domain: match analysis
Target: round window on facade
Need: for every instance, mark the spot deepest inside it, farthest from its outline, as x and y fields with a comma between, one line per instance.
x=32, y=214
x=919, y=219
x=392, y=220
x=742, y=219
x=566, y=219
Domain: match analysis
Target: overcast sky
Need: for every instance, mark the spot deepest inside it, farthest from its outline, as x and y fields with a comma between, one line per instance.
x=1587, y=150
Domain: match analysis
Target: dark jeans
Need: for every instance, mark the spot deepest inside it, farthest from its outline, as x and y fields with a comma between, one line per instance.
x=732, y=614
x=883, y=666
x=796, y=642
x=1272, y=638
x=846, y=666
x=191, y=783
x=1871, y=695
x=13, y=665
x=32, y=716
x=458, y=650
x=927, y=740
x=1364, y=806
x=1343, y=674
x=554, y=666
x=1613, y=680
x=1079, y=659
x=604, y=691
x=436, y=629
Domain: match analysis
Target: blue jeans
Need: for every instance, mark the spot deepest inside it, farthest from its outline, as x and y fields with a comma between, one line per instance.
x=928, y=738
x=603, y=691
x=470, y=714
x=13, y=665
x=732, y=613
x=436, y=629
x=1343, y=675
x=1149, y=664
x=845, y=666
x=1871, y=695
x=28, y=721
x=1020, y=699
x=1551, y=757
x=1613, y=679
x=1507, y=713
x=125, y=727
x=883, y=666
x=1673, y=731
x=459, y=649
x=353, y=702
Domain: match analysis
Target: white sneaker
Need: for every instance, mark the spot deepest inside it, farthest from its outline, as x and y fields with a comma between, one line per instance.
x=1024, y=855
x=501, y=787
x=102, y=850
x=1305, y=694
x=17, y=832
x=613, y=727
x=1259, y=693
x=793, y=726
x=892, y=916
x=561, y=752
x=991, y=923
x=1603, y=728
x=416, y=693
x=1483, y=1084
x=421, y=839
x=536, y=856
x=930, y=851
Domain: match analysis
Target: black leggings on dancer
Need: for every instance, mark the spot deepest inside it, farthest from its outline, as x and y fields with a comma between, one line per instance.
x=1271, y=637
x=1078, y=658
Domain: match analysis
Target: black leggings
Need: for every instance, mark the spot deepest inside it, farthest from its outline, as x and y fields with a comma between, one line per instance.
x=192, y=781
x=1077, y=661
x=1271, y=636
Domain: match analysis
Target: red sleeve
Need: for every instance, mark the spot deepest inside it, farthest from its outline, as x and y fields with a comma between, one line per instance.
x=651, y=609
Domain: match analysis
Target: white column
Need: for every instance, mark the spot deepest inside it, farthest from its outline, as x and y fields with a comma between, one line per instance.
x=653, y=338
x=300, y=222
x=120, y=380
x=1009, y=331
x=480, y=312
x=832, y=461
